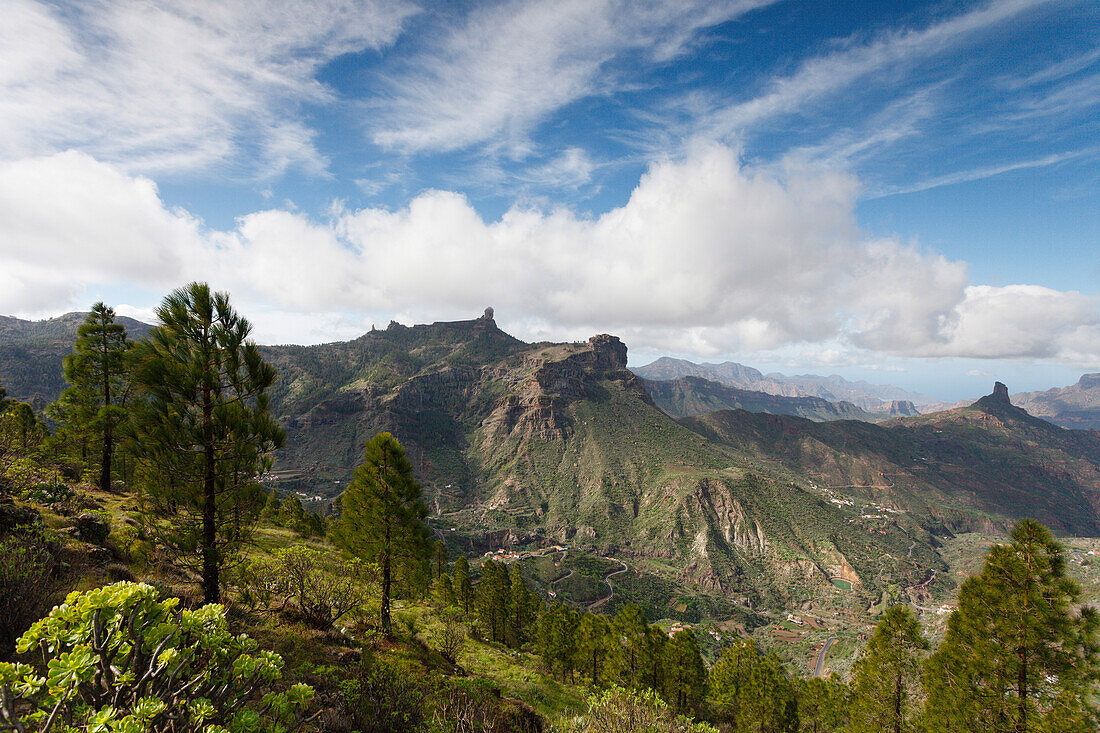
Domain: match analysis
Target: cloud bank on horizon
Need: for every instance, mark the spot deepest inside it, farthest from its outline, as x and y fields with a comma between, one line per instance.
x=705, y=179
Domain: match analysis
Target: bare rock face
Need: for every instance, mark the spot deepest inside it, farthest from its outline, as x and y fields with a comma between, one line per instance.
x=610, y=350
x=1000, y=393
x=901, y=408
x=1089, y=381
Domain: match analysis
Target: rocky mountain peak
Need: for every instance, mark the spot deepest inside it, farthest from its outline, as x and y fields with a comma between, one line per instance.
x=1000, y=393
x=1089, y=381
x=611, y=350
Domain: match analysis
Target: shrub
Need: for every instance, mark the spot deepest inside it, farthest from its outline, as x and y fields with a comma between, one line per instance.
x=130, y=542
x=383, y=699
x=119, y=659
x=452, y=635
x=323, y=591
x=618, y=710
x=50, y=492
x=466, y=706
x=28, y=582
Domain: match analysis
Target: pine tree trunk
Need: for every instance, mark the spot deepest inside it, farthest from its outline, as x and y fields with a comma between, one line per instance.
x=1021, y=691
x=386, y=585
x=210, y=566
x=897, y=704
x=105, y=465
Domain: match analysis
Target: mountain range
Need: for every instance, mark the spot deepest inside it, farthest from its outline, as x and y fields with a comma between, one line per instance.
x=516, y=442
x=1075, y=406
x=874, y=398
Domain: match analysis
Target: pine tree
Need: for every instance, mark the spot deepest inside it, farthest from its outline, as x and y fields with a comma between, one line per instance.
x=492, y=598
x=292, y=514
x=439, y=559
x=520, y=607
x=593, y=639
x=630, y=628
x=383, y=515
x=886, y=678
x=822, y=705
x=685, y=675
x=272, y=505
x=1016, y=655
x=653, y=660
x=203, y=431
x=556, y=639
x=97, y=373
x=752, y=692
x=463, y=589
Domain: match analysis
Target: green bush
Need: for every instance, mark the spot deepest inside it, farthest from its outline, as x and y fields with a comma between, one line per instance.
x=130, y=541
x=322, y=591
x=119, y=660
x=385, y=699
x=28, y=582
x=50, y=492
x=618, y=710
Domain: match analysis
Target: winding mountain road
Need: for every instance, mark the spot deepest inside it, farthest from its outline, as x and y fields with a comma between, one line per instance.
x=821, y=656
x=610, y=587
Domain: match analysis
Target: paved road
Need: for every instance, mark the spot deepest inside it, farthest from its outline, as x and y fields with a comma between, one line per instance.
x=821, y=656
x=607, y=579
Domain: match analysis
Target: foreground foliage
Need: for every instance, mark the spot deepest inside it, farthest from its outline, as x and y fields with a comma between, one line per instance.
x=1017, y=656
x=119, y=659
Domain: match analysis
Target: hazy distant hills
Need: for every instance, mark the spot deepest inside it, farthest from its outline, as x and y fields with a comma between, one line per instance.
x=867, y=396
x=1075, y=406
x=691, y=396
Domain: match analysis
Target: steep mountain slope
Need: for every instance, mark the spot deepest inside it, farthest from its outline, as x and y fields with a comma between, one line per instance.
x=870, y=397
x=691, y=396
x=1075, y=406
x=561, y=441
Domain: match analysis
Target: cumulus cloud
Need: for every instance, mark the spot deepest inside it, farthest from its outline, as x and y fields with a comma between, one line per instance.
x=707, y=256
x=177, y=87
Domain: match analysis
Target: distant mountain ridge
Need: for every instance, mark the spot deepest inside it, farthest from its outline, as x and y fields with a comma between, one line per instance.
x=834, y=388
x=1075, y=406
x=31, y=353
x=692, y=396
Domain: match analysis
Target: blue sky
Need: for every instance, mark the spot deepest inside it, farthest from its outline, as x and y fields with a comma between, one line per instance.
x=900, y=191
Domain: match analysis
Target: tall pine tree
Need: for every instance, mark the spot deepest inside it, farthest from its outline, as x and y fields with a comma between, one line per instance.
x=382, y=515
x=685, y=674
x=1017, y=656
x=97, y=373
x=462, y=587
x=885, y=689
x=202, y=431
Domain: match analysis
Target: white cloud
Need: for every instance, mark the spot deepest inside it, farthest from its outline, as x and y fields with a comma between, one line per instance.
x=508, y=65
x=171, y=87
x=707, y=257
